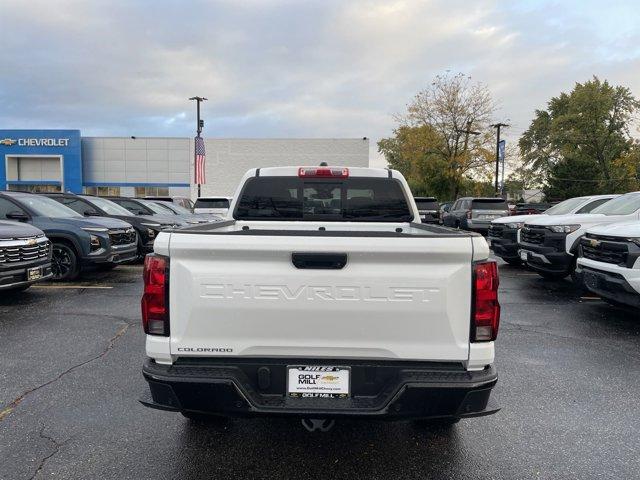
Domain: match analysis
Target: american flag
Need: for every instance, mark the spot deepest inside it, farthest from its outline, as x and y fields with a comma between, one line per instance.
x=199, y=164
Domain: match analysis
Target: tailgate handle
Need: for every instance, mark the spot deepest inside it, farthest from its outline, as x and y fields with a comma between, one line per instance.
x=324, y=261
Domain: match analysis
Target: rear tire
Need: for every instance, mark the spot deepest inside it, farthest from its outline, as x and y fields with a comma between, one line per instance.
x=64, y=262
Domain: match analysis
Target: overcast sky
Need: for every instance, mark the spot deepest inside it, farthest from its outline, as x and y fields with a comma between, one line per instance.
x=295, y=68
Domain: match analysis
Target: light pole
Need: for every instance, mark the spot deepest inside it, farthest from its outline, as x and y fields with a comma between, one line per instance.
x=497, y=126
x=199, y=125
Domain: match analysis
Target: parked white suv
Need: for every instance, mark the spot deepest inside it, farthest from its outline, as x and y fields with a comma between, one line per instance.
x=212, y=205
x=549, y=244
x=322, y=296
x=609, y=262
x=503, y=232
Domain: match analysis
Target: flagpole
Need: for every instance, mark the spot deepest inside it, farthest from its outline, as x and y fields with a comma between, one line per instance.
x=199, y=125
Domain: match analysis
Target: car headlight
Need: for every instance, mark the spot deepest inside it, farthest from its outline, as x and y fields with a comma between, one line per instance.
x=515, y=225
x=95, y=242
x=563, y=228
x=95, y=229
x=635, y=240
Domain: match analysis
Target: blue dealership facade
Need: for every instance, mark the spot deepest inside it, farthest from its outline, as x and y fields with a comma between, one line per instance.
x=26, y=152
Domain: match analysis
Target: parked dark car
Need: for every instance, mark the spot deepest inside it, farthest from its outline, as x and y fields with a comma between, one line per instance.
x=146, y=226
x=531, y=208
x=77, y=241
x=428, y=208
x=184, y=202
x=149, y=208
x=25, y=256
x=182, y=212
x=475, y=214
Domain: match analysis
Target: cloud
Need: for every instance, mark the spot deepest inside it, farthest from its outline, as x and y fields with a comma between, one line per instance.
x=289, y=68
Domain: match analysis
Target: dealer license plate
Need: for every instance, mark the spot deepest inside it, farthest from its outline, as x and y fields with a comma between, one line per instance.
x=34, y=273
x=320, y=381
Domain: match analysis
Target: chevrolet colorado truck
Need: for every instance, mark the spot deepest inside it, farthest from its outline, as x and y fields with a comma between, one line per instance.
x=504, y=232
x=609, y=262
x=549, y=244
x=322, y=296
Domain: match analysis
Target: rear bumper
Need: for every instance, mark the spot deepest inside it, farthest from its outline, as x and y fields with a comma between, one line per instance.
x=381, y=389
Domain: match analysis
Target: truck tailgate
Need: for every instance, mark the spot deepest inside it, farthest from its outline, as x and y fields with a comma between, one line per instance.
x=396, y=298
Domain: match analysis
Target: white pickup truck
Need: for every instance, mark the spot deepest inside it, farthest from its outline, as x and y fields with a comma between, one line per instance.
x=322, y=296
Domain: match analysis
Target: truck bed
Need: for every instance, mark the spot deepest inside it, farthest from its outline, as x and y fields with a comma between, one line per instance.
x=292, y=289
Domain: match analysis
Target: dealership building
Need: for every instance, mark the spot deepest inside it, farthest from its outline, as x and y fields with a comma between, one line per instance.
x=64, y=160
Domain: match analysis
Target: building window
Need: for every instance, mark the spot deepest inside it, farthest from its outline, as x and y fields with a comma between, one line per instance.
x=102, y=191
x=33, y=188
x=152, y=191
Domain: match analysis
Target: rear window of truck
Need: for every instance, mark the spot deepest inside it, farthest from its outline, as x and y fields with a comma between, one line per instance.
x=339, y=200
x=212, y=203
x=427, y=204
x=489, y=204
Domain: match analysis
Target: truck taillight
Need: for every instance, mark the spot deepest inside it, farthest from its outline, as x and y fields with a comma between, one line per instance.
x=486, y=309
x=155, y=299
x=334, y=172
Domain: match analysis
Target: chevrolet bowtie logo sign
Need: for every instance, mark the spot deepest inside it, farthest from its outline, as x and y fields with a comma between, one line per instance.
x=594, y=243
x=8, y=142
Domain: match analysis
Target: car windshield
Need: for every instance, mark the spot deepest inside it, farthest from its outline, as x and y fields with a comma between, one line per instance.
x=565, y=207
x=622, y=205
x=107, y=206
x=46, y=207
x=173, y=208
x=154, y=207
x=212, y=203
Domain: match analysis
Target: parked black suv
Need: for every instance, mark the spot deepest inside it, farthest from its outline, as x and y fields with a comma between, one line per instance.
x=25, y=256
x=475, y=214
x=146, y=226
x=77, y=241
x=429, y=209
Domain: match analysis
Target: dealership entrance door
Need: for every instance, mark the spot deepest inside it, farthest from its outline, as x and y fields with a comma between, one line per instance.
x=34, y=173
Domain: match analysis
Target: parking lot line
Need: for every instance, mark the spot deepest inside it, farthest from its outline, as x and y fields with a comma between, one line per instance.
x=590, y=298
x=95, y=287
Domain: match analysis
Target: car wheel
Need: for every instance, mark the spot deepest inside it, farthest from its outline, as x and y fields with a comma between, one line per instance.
x=64, y=263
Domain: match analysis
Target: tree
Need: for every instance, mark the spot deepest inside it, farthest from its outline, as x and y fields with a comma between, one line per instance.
x=581, y=143
x=444, y=136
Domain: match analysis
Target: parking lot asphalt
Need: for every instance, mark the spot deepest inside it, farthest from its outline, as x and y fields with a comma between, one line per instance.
x=70, y=360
